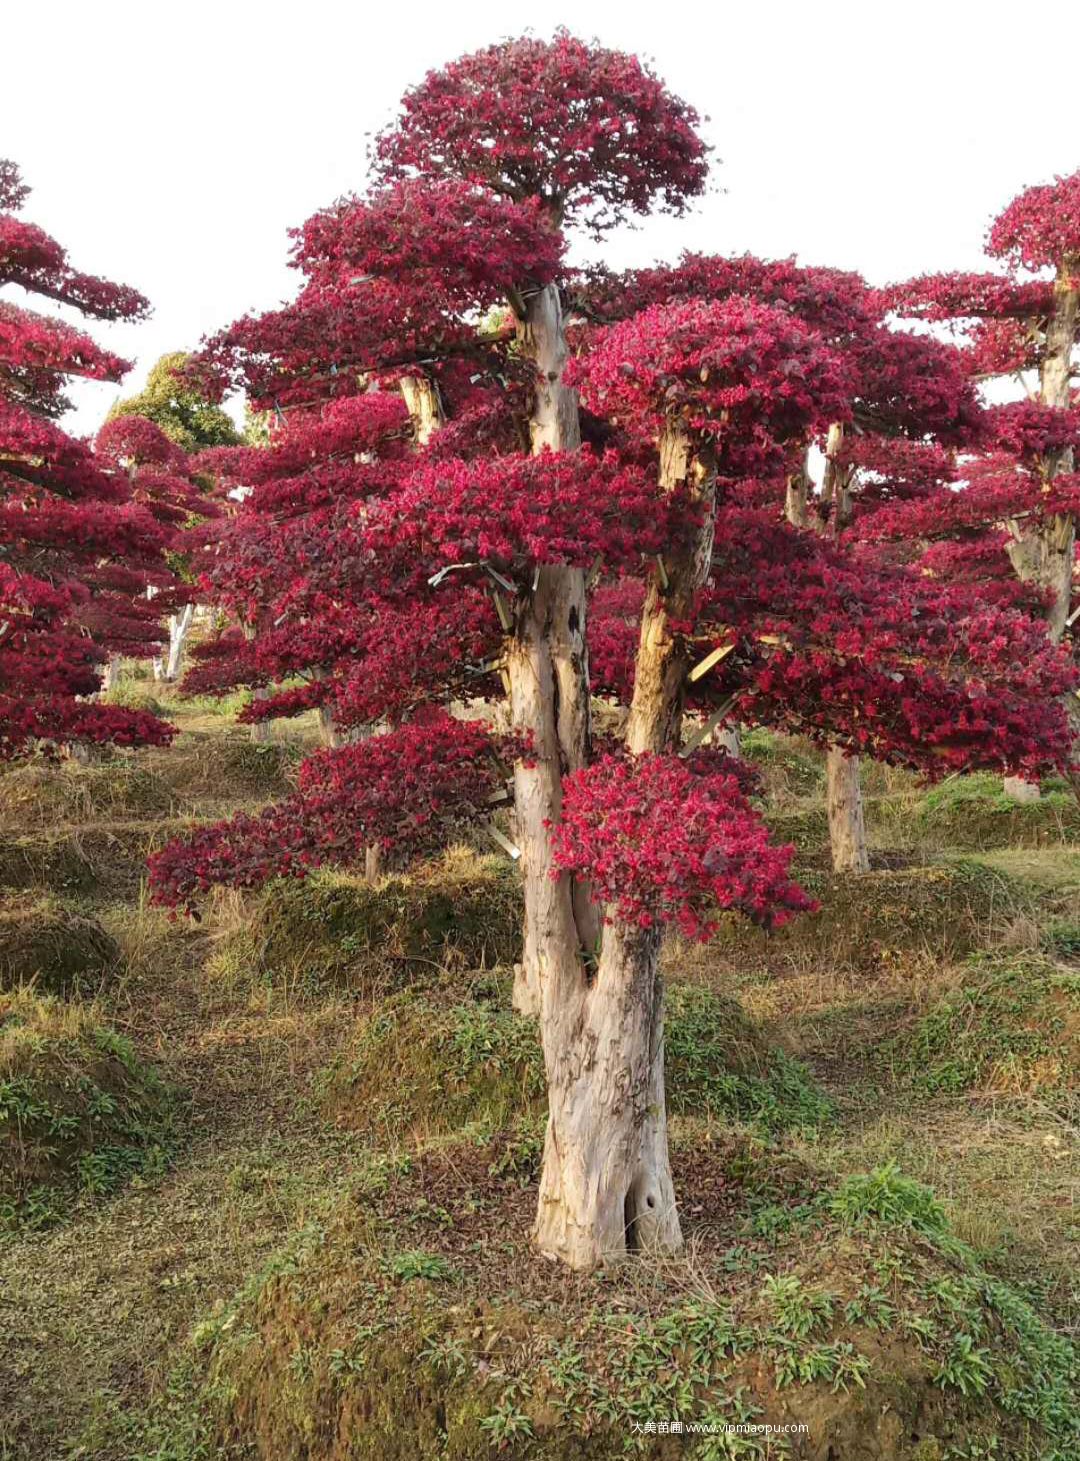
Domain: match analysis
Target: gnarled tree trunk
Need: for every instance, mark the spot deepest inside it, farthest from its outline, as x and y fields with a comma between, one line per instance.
x=548, y=647
x=606, y=1186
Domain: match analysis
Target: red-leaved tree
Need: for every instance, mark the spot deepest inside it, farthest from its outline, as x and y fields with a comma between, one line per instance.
x=76, y=546
x=606, y=529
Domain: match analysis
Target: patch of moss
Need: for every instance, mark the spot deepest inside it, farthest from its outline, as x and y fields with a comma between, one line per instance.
x=879, y=1333
x=422, y=1065
x=336, y=930
x=47, y=944
x=79, y=1111
x=1012, y=1025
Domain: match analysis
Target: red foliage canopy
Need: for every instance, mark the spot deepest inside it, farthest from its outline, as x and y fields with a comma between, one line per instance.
x=590, y=133
x=670, y=840
x=1040, y=228
x=75, y=542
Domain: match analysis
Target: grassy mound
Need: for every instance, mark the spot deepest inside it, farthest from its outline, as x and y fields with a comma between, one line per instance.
x=416, y=1324
x=422, y=1064
x=43, y=793
x=974, y=812
x=942, y=909
x=104, y=858
x=79, y=1112
x=336, y=930
x=202, y=767
x=44, y=943
x=1011, y=1025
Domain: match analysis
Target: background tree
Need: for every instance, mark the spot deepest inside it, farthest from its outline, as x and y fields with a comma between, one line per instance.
x=173, y=402
x=74, y=543
x=1024, y=322
x=162, y=480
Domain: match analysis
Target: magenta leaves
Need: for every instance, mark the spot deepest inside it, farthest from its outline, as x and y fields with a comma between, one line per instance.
x=514, y=512
x=406, y=792
x=671, y=840
x=589, y=132
x=748, y=377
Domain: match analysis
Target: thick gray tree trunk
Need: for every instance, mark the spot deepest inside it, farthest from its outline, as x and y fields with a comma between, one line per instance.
x=547, y=647
x=606, y=1186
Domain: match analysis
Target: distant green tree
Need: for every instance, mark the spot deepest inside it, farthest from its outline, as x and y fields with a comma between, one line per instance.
x=185, y=416
x=256, y=429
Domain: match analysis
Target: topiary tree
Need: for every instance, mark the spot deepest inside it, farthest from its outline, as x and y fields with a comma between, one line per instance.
x=1022, y=323
x=75, y=544
x=629, y=540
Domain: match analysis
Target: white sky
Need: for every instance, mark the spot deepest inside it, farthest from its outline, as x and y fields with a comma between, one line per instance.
x=170, y=147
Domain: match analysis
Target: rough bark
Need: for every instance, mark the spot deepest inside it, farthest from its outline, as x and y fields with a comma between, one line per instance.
x=662, y=659
x=1044, y=556
x=847, y=827
x=797, y=498
x=424, y=406
x=606, y=1186
x=548, y=637
x=110, y=673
